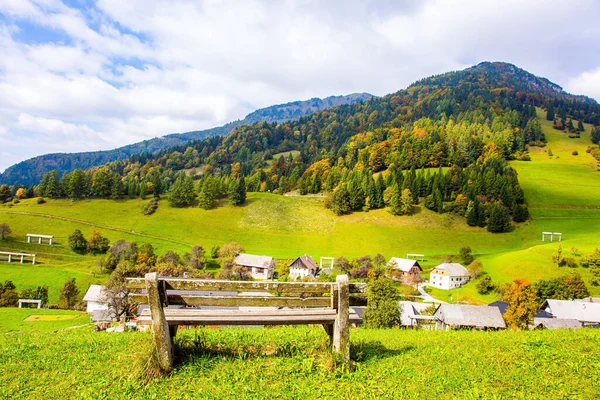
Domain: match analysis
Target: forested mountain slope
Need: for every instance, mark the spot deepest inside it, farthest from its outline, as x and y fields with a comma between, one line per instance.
x=385, y=152
x=31, y=171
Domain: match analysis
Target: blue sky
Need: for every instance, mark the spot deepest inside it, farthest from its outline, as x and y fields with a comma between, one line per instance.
x=78, y=75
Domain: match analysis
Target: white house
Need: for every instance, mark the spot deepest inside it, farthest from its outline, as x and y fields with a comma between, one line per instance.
x=302, y=267
x=449, y=276
x=95, y=299
x=407, y=269
x=259, y=267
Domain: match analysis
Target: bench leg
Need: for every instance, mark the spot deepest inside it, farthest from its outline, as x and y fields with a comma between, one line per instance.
x=173, y=331
x=329, y=329
x=341, y=328
x=160, y=328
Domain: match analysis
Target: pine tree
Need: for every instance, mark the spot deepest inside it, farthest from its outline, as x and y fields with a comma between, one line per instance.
x=499, y=218
x=396, y=200
x=550, y=113
x=238, y=195
x=475, y=214
x=340, y=203
x=580, y=127
x=205, y=200
x=595, y=135
x=377, y=200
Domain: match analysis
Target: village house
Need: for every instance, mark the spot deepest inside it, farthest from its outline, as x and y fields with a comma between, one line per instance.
x=449, y=276
x=461, y=316
x=586, y=312
x=95, y=298
x=404, y=269
x=302, y=267
x=259, y=267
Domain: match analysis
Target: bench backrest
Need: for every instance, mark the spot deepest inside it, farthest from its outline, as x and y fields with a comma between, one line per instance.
x=222, y=293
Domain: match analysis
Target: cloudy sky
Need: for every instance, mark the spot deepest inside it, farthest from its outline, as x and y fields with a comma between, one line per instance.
x=78, y=75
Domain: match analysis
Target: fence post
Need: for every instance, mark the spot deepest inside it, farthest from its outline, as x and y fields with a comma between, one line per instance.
x=160, y=327
x=341, y=328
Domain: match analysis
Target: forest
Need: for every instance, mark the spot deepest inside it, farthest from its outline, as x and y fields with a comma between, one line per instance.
x=444, y=141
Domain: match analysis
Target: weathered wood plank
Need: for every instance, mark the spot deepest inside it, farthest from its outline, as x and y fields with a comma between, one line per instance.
x=245, y=318
x=246, y=286
x=240, y=301
x=249, y=313
x=160, y=327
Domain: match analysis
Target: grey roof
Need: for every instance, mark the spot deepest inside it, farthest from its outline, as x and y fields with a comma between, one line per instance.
x=251, y=260
x=452, y=269
x=411, y=309
x=95, y=293
x=502, y=306
x=403, y=264
x=307, y=262
x=556, y=323
x=568, y=309
x=473, y=316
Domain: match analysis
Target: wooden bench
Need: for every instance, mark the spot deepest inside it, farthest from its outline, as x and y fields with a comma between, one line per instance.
x=290, y=303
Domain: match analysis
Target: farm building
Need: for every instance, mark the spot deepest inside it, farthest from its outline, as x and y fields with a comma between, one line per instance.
x=95, y=299
x=458, y=316
x=303, y=266
x=405, y=269
x=586, y=312
x=259, y=267
x=555, y=323
x=411, y=313
x=449, y=276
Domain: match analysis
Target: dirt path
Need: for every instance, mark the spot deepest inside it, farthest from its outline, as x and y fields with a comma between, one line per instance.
x=112, y=228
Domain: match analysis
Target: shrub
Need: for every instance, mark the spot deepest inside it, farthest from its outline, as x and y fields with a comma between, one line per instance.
x=382, y=310
x=466, y=255
x=151, y=207
x=77, y=242
x=41, y=200
x=475, y=269
x=97, y=243
x=575, y=153
x=485, y=285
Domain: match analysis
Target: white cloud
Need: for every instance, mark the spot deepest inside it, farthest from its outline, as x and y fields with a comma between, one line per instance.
x=588, y=83
x=124, y=71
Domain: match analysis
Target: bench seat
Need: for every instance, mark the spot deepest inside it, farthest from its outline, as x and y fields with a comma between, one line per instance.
x=298, y=316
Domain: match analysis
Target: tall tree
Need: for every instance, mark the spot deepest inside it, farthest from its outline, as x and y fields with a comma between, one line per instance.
x=522, y=304
x=68, y=294
x=340, y=203
x=238, y=195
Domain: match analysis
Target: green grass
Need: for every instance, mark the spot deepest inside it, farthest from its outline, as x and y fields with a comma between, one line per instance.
x=293, y=362
x=19, y=320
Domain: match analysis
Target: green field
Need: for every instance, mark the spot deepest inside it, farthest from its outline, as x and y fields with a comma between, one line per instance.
x=292, y=362
x=562, y=191
x=27, y=320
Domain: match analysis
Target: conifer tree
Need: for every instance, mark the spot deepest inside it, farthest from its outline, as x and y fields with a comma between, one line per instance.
x=238, y=195
x=550, y=113
x=340, y=203
x=499, y=218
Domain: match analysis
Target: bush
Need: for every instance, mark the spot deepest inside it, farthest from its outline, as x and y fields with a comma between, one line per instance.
x=466, y=255
x=475, y=269
x=41, y=200
x=485, y=285
x=383, y=310
x=575, y=153
x=77, y=242
x=151, y=207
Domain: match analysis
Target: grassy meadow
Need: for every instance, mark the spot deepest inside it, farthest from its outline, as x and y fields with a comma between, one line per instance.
x=562, y=192
x=293, y=362
x=33, y=320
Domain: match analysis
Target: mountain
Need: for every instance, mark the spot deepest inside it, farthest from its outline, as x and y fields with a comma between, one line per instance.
x=30, y=171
